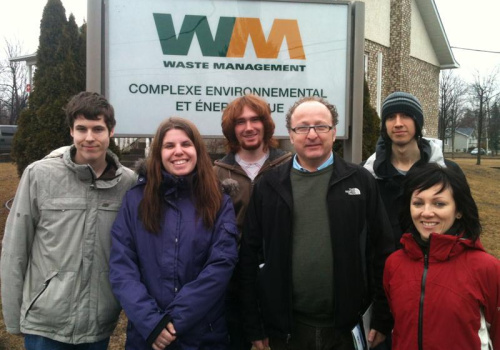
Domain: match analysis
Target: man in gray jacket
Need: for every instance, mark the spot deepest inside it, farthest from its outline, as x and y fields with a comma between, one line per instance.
x=54, y=262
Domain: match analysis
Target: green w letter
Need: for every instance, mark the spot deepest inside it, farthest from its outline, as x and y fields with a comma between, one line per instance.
x=173, y=45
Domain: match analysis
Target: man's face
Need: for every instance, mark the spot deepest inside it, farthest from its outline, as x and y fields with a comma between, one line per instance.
x=313, y=148
x=249, y=129
x=91, y=138
x=400, y=128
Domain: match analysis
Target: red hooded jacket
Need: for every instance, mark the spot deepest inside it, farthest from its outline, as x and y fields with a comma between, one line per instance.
x=448, y=298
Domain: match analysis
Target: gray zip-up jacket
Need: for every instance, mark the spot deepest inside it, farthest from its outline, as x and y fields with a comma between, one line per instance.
x=54, y=262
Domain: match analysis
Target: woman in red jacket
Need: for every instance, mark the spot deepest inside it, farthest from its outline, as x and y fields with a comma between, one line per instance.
x=442, y=287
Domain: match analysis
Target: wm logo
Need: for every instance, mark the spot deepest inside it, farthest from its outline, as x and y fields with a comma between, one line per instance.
x=231, y=37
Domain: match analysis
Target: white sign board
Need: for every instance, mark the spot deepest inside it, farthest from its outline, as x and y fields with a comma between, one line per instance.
x=190, y=58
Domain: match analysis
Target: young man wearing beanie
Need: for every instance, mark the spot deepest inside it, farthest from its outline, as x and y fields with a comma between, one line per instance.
x=399, y=148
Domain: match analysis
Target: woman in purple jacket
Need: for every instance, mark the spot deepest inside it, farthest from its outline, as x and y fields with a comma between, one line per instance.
x=174, y=247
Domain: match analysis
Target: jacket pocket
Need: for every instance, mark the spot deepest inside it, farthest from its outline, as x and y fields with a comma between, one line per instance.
x=210, y=333
x=50, y=308
x=59, y=219
x=108, y=308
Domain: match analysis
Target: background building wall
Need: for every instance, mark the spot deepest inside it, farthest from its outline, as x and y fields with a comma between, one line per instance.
x=424, y=84
x=377, y=21
x=407, y=63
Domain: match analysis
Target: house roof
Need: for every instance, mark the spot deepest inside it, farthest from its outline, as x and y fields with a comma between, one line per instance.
x=29, y=59
x=437, y=34
x=465, y=131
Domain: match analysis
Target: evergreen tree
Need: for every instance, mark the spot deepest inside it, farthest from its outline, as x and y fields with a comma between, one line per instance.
x=60, y=74
x=371, y=125
x=494, y=129
x=371, y=128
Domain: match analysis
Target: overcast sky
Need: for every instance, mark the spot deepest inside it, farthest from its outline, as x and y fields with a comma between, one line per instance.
x=468, y=24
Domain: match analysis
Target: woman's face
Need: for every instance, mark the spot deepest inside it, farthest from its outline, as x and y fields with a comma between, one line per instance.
x=433, y=212
x=178, y=154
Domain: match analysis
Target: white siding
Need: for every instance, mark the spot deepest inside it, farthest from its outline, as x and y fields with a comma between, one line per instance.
x=378, y=21
x=421, y=46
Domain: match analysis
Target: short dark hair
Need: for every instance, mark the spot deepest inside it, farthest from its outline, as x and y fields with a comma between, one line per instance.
x=329, y=106
x=90, y=105
x=421, y=178
x=234, y=110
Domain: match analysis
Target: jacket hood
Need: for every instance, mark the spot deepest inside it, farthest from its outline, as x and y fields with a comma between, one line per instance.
x=230, y=186
x=140, y=167
x=441, y=247
x=379, y=163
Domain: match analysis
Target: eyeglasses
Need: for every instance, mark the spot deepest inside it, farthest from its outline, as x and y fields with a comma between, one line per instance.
x=321, y=129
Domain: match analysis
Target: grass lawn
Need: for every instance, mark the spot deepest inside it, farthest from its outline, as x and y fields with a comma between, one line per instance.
x=484, y=180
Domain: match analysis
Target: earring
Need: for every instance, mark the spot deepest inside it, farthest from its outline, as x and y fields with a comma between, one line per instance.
x=459, y=216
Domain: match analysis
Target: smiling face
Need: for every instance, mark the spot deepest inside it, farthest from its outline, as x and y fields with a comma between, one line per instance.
x=313, y=149
x=400, y=128
x=91, y=139
x=433, y=212
x=249, y=129
x=178, y=154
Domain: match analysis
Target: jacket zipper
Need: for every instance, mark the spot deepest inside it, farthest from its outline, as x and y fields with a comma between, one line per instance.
x=92, y=182
x=421, y=308
x=290, y=285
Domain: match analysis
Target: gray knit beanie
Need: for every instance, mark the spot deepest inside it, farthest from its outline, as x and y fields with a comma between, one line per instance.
x=403, y=102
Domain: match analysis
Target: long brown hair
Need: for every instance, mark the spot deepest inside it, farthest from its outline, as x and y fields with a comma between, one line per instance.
x=206, y=191
x=233, y=111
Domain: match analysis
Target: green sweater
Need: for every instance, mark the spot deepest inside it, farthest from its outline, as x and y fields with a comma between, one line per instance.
x=312, y=253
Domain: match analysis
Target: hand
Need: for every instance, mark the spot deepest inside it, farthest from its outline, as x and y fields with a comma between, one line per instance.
x=375, y=338
x=261, y=344
x=165, y=338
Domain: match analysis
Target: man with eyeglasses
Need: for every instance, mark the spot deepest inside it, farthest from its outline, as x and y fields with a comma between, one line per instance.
x=248, y=128
x=314, y=244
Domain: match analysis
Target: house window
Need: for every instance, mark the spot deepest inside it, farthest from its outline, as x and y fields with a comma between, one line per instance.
x=380, y=60
x=366, y=66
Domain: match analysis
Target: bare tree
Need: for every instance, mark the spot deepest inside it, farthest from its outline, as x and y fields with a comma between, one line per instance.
x=452, y=91
x=13, y=83
x=482, y=90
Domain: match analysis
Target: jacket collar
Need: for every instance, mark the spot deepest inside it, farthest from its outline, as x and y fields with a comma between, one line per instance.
x=170, y=184
x=275, y=156
x=441, y=247
x=86, y=173
x=281, y=183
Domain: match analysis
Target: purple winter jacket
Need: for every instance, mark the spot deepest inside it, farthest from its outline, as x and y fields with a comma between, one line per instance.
x=179, y=275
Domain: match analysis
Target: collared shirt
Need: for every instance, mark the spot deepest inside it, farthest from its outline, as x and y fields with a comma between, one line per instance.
x=297, y=166
x=251, y=169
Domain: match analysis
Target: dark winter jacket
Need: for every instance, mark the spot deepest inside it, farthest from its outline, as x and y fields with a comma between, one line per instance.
x=361, y=241
x=390, y=180
x=445, y=298
x=179, y=275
